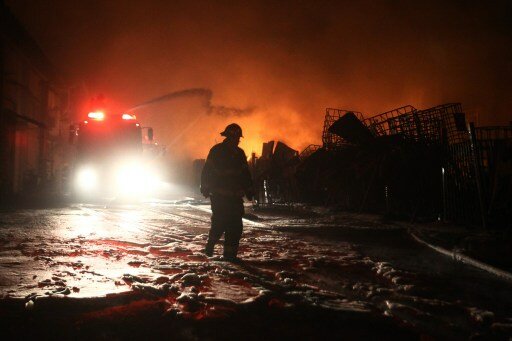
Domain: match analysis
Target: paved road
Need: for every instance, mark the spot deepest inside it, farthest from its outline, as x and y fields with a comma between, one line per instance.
x=337, y=263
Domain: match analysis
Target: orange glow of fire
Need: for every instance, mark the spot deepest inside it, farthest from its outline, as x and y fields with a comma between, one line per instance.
x=193, y=138
x=283, y=125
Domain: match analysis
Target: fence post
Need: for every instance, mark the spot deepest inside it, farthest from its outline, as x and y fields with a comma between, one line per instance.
x=444, y=193
x=476, y=163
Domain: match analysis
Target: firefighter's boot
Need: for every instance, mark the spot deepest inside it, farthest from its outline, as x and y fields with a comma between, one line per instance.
x=208, y=250
x=230, y=253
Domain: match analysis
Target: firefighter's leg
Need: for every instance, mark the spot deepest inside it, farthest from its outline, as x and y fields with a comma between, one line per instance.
x=233, y=230
x=214, y=235
x=217, y=227
x=232, y=239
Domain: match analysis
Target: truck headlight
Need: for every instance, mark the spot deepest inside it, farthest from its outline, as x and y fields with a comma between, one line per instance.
x=136, y=179
x=130, y=179
x=87, y=179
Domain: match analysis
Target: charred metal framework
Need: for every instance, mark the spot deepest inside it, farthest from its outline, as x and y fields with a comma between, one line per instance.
x=308, y=151
x=431, y=125
x=493, y=162
x=390, y=122
x=460, y=188
x=416, y=159
x=428, y=126
x=330, y=140
x=494, y=133
x=408, y=162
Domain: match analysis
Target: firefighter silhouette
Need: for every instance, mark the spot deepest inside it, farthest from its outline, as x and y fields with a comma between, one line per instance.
x=226, y=179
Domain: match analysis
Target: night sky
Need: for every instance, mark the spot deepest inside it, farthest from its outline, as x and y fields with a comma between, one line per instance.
x=274, y=66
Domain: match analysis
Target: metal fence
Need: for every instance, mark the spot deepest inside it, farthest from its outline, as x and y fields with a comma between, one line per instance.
x=460, y=192
x=494, y=133
x=493, y=156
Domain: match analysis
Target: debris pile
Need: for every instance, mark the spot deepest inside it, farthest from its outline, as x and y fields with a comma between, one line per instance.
x=274, y=174
x=418, y=164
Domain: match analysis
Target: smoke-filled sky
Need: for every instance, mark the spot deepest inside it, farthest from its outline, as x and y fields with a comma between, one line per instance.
x=274, y=66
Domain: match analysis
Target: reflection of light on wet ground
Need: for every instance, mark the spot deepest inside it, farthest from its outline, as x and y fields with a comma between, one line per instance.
x=75, y=248
x=95, y=251
x=129, y=221
x=103, y=223
x=85, y=224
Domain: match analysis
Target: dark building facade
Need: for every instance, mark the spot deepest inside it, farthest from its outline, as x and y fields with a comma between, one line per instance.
x=33, y=116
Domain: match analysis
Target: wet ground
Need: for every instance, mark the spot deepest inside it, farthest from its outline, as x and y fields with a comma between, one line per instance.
x=126, y=271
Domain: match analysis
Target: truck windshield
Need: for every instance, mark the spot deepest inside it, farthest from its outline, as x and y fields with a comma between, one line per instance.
x=98, y=140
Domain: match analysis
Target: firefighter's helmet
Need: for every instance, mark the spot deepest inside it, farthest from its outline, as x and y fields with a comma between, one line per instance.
x=232, y=130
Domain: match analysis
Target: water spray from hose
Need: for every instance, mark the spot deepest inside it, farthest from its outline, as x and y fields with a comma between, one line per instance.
x=205, y=95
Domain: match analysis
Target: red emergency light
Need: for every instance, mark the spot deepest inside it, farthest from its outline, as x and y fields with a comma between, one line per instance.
x=96, y=115
x=128, y=117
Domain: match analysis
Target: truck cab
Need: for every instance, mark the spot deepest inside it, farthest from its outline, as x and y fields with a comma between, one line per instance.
x=109, y=159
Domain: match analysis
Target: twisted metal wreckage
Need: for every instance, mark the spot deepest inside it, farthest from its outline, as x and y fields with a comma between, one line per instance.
x=419, y=164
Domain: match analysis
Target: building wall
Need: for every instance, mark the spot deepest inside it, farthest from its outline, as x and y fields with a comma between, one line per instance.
x=32, y=114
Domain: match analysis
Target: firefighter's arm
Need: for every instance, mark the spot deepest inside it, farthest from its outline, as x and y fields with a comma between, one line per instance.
x=205, y=186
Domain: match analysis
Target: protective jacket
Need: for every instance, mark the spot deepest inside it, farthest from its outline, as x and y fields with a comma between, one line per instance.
x=226, y=172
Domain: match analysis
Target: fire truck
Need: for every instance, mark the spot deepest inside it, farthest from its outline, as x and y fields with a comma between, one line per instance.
x=114, y=157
